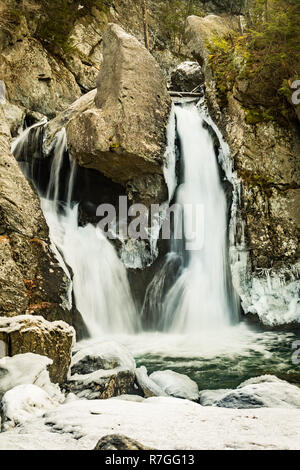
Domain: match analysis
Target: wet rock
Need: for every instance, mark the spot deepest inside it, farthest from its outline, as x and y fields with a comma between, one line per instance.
x=187, y=77
x=176, y=385
x=26, y=333
x=119, y=442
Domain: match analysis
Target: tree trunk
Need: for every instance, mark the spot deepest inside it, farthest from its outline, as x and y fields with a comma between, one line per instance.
x=266, y=10
x=146, y=24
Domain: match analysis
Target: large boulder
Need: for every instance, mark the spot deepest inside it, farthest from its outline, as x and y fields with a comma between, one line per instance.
x=27, y=333
x=187, y=77
x=101, y=384
x=123, y=134
x=105, y=355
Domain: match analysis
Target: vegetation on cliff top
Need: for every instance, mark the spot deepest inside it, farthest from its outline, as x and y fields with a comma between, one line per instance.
x=58, y=19
x=263, y=62
x=172, y=18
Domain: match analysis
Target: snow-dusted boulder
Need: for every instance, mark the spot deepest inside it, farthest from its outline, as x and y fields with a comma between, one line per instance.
x=211, y=397
x=103, y=370
x=105, y=356
x=148, y=386
x=30, y=333
x=24, y=369
x=24, y=402
x=102, y=383
x=266, y=391
x=176, y=385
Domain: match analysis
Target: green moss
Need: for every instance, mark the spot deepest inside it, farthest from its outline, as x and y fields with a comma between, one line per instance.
x=253, y=180
x=114, y=146
x=58, y=18
x=267, y=56
x=255, y=116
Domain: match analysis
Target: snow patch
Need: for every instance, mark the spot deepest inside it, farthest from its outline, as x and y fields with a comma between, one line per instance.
x=23, y=403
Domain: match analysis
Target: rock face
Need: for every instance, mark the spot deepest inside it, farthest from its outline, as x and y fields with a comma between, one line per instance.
x=123, y=134
x=266, y=158
x=200, y=31
x=47, y=89
x=119, y=442
x=26, y=333
x=187, y=77
x=265, y=391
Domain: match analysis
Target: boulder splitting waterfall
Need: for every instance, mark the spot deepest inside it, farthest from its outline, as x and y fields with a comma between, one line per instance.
x=201, y=295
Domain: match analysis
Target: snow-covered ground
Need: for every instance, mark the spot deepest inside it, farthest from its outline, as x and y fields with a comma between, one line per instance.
x=159, y=423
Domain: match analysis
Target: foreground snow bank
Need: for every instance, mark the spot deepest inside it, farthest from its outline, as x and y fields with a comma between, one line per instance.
x=158, y=423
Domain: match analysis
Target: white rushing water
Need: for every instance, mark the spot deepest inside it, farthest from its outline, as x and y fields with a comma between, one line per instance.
x=201, y=298
x=100, y=285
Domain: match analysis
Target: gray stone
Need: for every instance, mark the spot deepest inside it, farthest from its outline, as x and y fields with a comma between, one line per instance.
x=119, y=442
x=187, y=77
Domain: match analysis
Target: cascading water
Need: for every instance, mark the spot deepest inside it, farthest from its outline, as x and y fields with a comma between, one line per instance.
x=202, y=297
x=100, y=285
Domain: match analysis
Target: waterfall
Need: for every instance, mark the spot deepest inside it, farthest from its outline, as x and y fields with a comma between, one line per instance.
x=192, y=291
x=100, y=286
x=202, y=297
